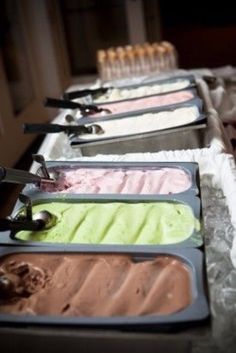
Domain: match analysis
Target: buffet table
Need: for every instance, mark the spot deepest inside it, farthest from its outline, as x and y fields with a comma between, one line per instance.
x=218, y=193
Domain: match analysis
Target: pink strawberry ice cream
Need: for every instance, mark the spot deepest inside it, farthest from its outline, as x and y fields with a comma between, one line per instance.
x=121, y=181
x=145, y=103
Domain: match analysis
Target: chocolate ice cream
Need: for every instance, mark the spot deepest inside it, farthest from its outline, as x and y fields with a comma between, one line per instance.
x=93, y=285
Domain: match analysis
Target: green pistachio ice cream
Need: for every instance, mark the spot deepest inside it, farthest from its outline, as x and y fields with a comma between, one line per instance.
x=116, y=223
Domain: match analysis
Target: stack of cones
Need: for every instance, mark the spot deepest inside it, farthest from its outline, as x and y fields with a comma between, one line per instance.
x=136, y=60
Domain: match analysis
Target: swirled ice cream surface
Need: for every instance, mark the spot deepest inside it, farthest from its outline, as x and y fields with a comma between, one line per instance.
x=165, y=180
x=144, y=123
x=160, y=222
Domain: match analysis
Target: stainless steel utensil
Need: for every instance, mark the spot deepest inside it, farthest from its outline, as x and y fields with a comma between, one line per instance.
x=68, y=129
x=52, y=175
x=25, y=220
x=22, y=177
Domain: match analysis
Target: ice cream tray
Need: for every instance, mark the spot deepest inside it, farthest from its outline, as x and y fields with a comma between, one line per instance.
x=190, y=168
x=190, y=78
x=210, y=137
x=196, y=311
x=194, y=135
x=158, y=108
x=197, y=102
x=195, y=239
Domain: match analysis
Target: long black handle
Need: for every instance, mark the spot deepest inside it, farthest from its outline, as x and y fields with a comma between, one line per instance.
x=67, y=104
x=85, y=92
x=42, y=128
x=18, y=176
x=2, y=173
x=61, y=103
x=11, y=224
x=55, y=128
x=209, y=79
x=5, y=224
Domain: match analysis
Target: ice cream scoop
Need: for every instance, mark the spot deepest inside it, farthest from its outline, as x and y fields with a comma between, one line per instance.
x=22, y=177
x=26, y=220
x=85, y=92
x=20, y=280
x=31, y=128
x=67, y=104
x=6, y=286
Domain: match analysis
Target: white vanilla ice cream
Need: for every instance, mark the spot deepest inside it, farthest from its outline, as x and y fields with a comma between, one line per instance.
x=115, y=94
x=144, y=123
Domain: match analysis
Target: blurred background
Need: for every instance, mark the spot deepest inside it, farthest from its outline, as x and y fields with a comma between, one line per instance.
x=46, y=45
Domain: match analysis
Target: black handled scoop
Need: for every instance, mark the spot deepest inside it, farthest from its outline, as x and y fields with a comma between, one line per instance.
x=68, y=129
x=25, y=220
x=86, y=109
x=85, y=92
x=21, y=177
x=23, y=224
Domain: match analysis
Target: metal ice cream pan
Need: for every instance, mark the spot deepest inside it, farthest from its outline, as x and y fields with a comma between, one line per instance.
x=190, y=168
x=190, y=78
x=195, y=239
x=197, y=311
x=183, y=137
x=146, y=109
x=90, y=97
x=195, y=101
x=193, y=136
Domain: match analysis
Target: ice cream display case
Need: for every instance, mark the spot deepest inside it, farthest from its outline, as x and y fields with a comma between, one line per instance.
x=198, y=336
x=143, y=290
x=26, y=274
x=180, y=125
x=204, y=131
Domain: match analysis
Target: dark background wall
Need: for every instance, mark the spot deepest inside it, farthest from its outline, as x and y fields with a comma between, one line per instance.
x=204, y=32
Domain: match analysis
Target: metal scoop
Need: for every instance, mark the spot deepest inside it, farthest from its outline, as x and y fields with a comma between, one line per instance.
x=91, y=129
x=47, y=174
x=39, y=158
x=43, y=217
x=25, y=221
x=22, y=177
x=85, y=92
x=6, y=286
x=68, y=129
